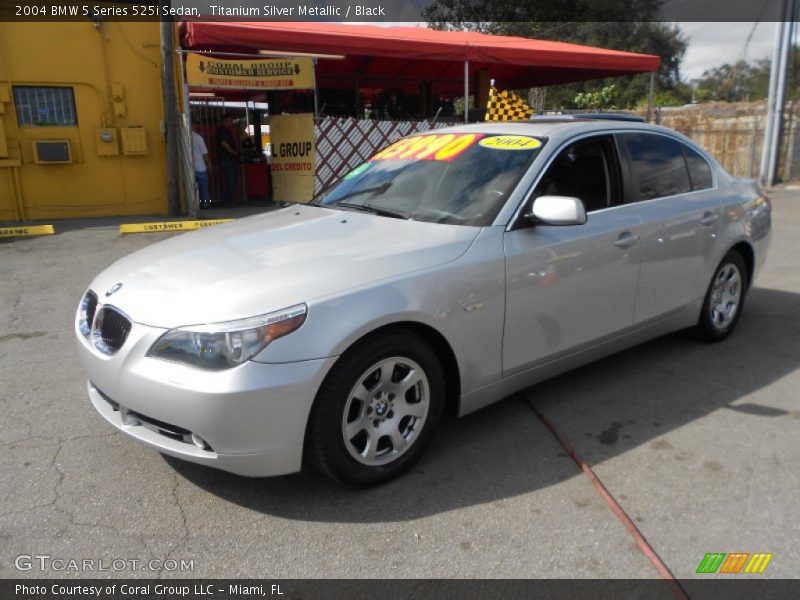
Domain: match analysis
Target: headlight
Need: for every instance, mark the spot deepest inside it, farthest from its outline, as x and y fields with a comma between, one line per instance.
x=224, y=345
x=86, y=313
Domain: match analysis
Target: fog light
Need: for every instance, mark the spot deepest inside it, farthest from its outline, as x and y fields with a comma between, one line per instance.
x=200, y=442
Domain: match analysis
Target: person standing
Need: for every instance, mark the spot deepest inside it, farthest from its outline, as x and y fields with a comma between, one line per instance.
x=202, y=165
x=228, y=157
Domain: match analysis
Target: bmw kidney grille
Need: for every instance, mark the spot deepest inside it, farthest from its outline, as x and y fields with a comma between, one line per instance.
x=110, y=330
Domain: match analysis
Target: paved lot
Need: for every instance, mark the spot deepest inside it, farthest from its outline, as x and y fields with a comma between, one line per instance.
x=698, y=443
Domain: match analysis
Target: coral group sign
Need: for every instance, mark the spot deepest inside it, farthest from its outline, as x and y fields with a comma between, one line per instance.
x=288, y=73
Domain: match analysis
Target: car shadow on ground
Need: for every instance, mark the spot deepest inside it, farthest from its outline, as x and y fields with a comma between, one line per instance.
x=618, y=403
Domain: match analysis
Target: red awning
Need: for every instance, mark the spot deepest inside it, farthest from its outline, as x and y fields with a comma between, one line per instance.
x=393, y=56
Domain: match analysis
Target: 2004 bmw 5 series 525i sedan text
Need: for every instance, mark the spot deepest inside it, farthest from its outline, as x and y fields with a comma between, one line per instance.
x=451, y=269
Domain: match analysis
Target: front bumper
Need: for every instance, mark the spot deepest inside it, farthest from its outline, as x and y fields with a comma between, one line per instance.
x=252, y=417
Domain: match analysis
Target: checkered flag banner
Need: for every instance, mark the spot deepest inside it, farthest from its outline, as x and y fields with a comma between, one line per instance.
x=506, y=106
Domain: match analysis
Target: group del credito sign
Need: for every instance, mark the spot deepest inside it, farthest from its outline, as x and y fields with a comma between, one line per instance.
x=290, y=73
x=294, y=157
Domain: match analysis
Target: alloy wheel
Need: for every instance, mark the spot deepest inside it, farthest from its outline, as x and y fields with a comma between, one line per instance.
x=385, y=411
x=726, y=295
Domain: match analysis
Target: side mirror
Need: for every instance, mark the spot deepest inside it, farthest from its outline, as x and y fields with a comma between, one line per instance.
x=557, y=210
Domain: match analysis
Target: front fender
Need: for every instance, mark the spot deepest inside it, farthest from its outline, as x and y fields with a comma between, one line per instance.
x=463, y=300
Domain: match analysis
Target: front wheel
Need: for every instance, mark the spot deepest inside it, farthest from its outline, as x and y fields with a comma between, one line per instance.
x=725, y=298
x=376, y=410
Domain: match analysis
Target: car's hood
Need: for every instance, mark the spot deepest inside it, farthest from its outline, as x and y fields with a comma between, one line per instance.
x=270, y=261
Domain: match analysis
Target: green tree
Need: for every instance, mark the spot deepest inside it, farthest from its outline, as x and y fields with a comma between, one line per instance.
x=733, y=83
x=743, y=81
x=605, y=98
x=537, y=20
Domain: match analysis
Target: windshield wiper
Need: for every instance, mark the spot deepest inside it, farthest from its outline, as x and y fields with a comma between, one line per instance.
x=370, y=190
x=375, y=210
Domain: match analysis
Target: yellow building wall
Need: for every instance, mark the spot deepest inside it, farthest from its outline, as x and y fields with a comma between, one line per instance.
x=115, y=72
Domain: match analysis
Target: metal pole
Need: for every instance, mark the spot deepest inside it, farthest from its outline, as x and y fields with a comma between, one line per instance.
x=170, y=115
x=192, y=203
x=650, y=96
x=466, y=91
x=316, y=91
x=245, y=195
x=780, y=96
x=766, y=148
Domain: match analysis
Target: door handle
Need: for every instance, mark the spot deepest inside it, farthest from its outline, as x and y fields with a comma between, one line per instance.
x=626, y=239
x=709, y=219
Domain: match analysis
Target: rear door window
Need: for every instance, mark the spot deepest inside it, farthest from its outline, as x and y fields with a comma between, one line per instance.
x=657, y=166
x=699, y=169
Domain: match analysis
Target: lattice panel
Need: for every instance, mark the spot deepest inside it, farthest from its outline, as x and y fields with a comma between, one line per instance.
x=345, y=143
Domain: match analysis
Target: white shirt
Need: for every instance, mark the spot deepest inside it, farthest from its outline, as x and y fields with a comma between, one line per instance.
x=198, y=150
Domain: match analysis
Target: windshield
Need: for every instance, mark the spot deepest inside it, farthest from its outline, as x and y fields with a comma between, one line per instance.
x=454, y=178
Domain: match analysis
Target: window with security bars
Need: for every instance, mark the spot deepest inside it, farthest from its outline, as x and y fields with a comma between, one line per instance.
x=40, y=106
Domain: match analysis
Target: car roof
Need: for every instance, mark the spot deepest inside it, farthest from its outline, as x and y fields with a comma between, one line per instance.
x=556, y=126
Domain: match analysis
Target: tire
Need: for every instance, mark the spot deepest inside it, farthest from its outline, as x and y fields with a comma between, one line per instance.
x=377, y=410
x=724, y=299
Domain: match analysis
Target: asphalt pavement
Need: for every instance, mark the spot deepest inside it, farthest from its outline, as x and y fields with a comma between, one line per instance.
x=699, y=445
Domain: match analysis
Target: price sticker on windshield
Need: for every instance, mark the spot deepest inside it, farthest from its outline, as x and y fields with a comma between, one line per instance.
x=437, y=146
x=511, y=142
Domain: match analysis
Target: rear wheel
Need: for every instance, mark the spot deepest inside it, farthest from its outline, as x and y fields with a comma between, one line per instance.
x=376, y=410
x=725, y=298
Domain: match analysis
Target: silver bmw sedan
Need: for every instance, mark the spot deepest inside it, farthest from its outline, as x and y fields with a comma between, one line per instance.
x=451, y=269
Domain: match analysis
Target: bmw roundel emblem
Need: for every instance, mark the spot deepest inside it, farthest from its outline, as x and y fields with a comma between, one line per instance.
x=113, y=289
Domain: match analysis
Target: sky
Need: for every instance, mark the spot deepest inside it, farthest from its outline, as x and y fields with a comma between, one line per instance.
x=713, y=44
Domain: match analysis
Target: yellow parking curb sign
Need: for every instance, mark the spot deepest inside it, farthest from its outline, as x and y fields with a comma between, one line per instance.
x=26, y=231
x=169, y=226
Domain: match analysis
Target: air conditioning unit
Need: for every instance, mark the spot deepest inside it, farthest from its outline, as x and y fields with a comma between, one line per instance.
x=50, y=152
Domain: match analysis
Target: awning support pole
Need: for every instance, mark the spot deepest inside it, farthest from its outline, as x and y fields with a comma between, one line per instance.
x=650, y=97
x=170, y=115
x=466, y=91
x=316, y=91
x=190, y=181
